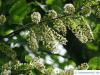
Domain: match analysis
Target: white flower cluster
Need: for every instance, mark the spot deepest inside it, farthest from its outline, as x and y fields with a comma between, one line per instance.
x=58, y=71
x=69, y=9
x=60, y=38
x=5, y=72
x=59, y=26
x=38, y=64
x=6, y=69
x=48, y=38
x=86, y=10
x=81, y=29
x=83, y=66
x=36, y=17
x=52, y=14
x=32, y=41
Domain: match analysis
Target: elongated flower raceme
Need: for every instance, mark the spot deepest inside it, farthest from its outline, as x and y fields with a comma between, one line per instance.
x=48, y=38
x=81, y=29
x=36, y=17
x=32, y=41
x=38, y=64
x=59, y=26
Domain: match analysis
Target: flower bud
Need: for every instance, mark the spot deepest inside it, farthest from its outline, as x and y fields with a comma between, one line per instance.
x=69, y=9
x=2, y=19
x=52, y=14
x=36, y=17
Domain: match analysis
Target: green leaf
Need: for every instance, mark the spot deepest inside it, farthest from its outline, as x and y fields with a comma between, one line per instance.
x=96, y=31
x=28, y=58
x=9, y=31
x=94, y=63
x=92, y=46
x=3, y=59
x=78, y=4
x=56, y=5
x=49, y=2
x=0, y=3
x=18, y=11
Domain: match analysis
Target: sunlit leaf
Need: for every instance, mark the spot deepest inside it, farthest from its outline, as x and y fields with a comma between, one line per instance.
x=94, y=63
x=28, y=58
x=55, y=4
x=18, y=11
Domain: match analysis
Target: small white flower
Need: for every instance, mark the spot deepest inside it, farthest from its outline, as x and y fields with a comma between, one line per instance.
x=69, y=8
x=12, y=45
x=24, y=34
x=36, y=17
x=59, y=50
x=14, y=37
x=61, y=59
x=68, y=67
x=6, y=39
x=56, y=71
x=49, y=60
x=17, y=45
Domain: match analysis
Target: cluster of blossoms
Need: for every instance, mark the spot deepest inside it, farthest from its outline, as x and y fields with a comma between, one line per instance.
x=52, y=14
x=53, y=30
x=49, y=39
x=44, y=33
x=83, y=66
x=69, y=9
x=16, y=67
x=86, y=10
x=36, y=17
x=59, y=26
x=38, y=64
x=6, y=69
x=81, y=29
x=32, y=41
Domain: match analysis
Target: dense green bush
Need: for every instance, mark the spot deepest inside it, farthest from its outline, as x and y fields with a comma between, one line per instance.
x=49, y=37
